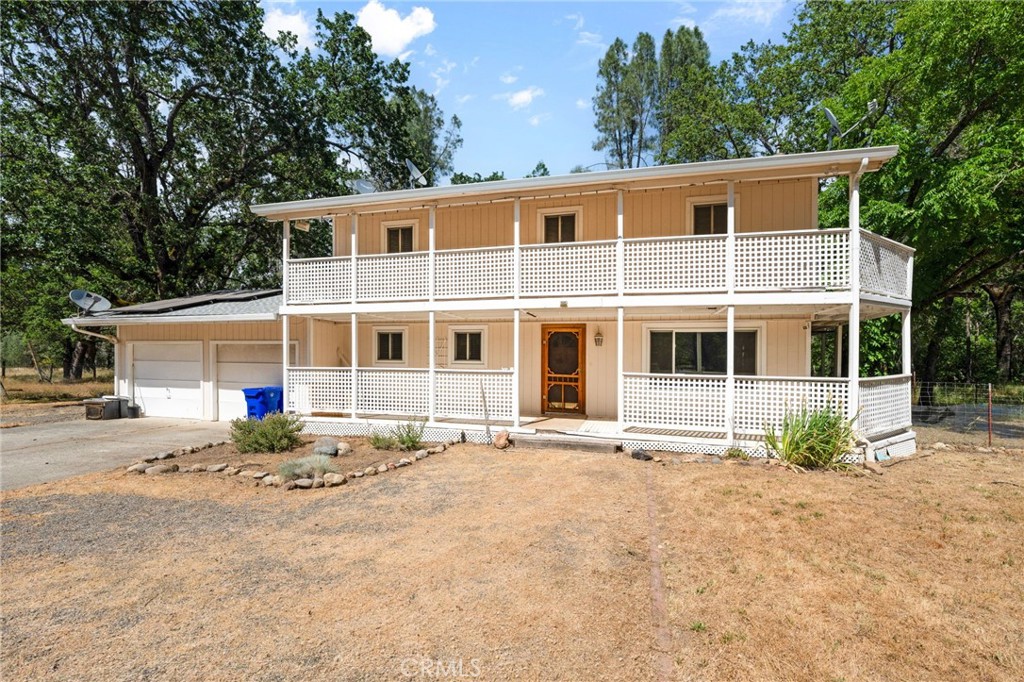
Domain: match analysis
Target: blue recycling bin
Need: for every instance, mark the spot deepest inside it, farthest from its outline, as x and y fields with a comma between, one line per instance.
x=255, y=407
x=273, y=398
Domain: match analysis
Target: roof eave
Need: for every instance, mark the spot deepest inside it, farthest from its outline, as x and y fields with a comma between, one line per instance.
x=130, y=320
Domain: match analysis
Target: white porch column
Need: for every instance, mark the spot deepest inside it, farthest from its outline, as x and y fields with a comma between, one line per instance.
x=730, y=375
x=730, y=238
x=432, y=368
x=620, y=247
x=517, y=255
x=353, y=248
x=354, y=362
x=516, y=417
x=432, y=326
x=853, y=401
x=620, y=361
x=906, y=342
x=286, y=252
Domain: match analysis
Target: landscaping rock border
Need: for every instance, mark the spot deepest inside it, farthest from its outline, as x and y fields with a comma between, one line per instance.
x=328, y=480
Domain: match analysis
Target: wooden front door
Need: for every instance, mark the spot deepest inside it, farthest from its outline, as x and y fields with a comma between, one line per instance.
x=563, y=363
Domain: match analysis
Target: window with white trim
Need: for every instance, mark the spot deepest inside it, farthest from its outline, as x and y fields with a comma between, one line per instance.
x=468, y=346
x=559, y=227
x=674, y=351
x=399, y=238
x=710, y=218
x=390, y=345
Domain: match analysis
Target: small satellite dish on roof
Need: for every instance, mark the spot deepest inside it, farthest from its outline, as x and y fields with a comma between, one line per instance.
x=835, y=130
x=361, y=185
x=88, y=301
x=416, y=176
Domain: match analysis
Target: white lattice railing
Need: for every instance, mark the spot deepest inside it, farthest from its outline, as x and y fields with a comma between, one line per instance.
x=884, y=265
x=765, y=261
x=675, y=264
x=568, y=269
x=811, y=259
x=319, y=280
x=884, y=405
x=474, y=273
x=396, y=276
x=460, y=394
x=317, y=389
x=762, y=401
x=397, y=391
x=675, y=401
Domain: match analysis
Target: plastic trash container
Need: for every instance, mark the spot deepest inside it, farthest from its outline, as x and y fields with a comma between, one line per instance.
x=273, y=398
x=255, y=408
x=100, y=408
x=122, y=404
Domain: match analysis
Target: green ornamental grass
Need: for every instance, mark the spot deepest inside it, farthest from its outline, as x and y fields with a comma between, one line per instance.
x=812, y=439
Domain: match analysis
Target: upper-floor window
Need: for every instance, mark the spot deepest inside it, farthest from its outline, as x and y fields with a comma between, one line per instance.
x=559, y=227
x=710, y=218
x=399, y=238
x=703, y=352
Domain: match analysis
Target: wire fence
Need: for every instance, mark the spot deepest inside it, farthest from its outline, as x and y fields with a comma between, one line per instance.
x=971, y=408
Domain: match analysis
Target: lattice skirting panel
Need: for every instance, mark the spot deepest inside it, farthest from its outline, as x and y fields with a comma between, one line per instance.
x=431, y=434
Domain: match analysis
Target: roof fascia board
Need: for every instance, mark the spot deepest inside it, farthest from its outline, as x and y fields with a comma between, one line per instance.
x=115, y=321
x=816, y=163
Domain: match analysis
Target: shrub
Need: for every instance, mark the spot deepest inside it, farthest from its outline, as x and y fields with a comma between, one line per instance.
x=736, y=453
x=274, y=433
x=407, y=436
x=812, y=439
x=306, y=467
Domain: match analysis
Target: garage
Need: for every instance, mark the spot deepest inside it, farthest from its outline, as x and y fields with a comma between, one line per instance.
x=167, y=378
x=243, y=365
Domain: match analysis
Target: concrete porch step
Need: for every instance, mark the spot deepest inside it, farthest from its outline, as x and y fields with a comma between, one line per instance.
x=563, y=442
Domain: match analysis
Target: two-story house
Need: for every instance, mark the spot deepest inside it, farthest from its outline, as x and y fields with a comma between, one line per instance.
x=670, y=306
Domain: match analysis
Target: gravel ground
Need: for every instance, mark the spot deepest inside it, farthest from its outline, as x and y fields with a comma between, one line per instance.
x=24, y=414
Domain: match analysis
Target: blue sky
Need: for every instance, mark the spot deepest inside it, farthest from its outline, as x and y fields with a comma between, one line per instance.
x=521, y=75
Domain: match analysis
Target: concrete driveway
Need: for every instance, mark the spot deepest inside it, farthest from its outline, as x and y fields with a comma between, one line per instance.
x=49, y=452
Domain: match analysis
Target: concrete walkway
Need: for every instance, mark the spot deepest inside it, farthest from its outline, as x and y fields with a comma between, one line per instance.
x=49, y=452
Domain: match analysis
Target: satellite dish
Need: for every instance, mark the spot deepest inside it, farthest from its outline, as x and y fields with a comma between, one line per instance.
x=88, y=301
x=416, y=176
x=361, y=186
x=835, y=130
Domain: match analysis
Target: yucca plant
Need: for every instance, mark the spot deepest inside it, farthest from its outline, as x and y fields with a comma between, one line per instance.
x=812, y=439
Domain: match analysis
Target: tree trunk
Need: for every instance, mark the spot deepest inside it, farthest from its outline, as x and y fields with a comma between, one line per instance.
x=1002, y=303
x=35, y=363
x=931, y=358
x=73, y=364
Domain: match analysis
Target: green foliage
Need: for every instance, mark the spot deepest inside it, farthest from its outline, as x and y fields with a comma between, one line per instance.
x=737, y=453
x=306, y=467
x=811, y=439
x=405, y=436
x=626, y=102
x=539, y=171
x=274, y=433
x=465, y=179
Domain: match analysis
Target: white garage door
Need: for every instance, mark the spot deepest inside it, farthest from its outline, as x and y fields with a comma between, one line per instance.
x=168, y=379
x=244, y=365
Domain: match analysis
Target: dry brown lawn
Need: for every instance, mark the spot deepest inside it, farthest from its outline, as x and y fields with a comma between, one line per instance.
x=23, y=386
x=522, y=565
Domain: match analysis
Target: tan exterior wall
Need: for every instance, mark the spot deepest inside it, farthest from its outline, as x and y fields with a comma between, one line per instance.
x=769, y=205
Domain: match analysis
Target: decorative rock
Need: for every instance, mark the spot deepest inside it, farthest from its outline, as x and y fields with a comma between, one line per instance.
x=139, y=468
x=216, y=468
x=502, y=440
x=344, y=449
x=290, y=485
x=716, y=460
x=332, y=479
x=325, y=445
x=151, y=458
x=420, y=454
x=184, y=470
x=231, y=471
x=165, y=455
x=356, y=474
x=260, y=474
x=404, y=462
x=269, y=480
x=676, y=460
x=391, y=466
x=451, y=443
x=371, y=471
x=303, y=483
x=641, y=455
x=940, y=446
x=162, y=469
x=382, y=468
x=436, y=450
x=318, y=483
x=657, y=459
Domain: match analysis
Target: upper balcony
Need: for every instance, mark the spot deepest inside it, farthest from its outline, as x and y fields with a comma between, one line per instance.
x=778, y=262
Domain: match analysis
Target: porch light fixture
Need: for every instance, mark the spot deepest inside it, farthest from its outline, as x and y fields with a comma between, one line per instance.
x=598, y=338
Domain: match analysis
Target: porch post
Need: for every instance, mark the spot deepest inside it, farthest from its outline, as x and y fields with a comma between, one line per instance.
x=432, y=371
x=353, y=247
x=516, y=251
x=432, y=326
x=730, y=313
x=906, y=342
x=730, y=375
x=853, y=375
x=286, y=252
x=354, y=362
x=620, y=360
x=516, y=417
x=620, y=247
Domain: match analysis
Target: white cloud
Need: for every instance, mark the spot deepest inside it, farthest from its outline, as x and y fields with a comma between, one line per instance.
x=521, y=99
x=440, y=75
x=688, y=22
x=391, y=33
x=277, y=20
x=758, y=12
x=589, y=39
x=582, y=104
x=508, y=78
x=577, y=20
x=462, y=99
x=537, y=119
x=472, y=64
x=429, y=50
